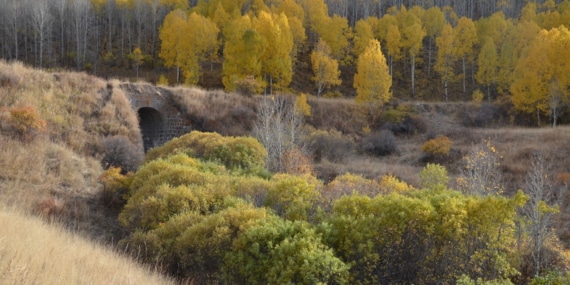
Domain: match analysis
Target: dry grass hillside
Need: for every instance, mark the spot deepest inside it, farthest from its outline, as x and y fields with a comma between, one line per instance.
x=34, y=252
x=57, y=130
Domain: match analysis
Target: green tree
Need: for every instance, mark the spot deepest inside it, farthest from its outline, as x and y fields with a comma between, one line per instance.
x=517, y=39
x=434, y=177
x=337, y=33
x=372, y=80
x=137, y=58
x=324, y=67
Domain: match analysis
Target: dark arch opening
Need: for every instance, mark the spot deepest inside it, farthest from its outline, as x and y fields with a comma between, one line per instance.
x=151, y=124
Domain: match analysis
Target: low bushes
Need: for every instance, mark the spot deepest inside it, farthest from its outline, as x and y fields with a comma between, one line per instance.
x=379, y=143
x=236, y=153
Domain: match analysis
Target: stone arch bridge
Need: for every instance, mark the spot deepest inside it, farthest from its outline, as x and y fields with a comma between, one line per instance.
x=159, y=119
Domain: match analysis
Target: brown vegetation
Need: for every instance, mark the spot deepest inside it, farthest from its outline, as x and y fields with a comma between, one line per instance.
x=36, y=252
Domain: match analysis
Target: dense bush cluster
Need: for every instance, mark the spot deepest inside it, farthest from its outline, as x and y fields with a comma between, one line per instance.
x=235, y=153
x=439, y=146
x=120, y=152
x=204, y=221
x=486, y=115
x=331, y=145
x=379, y=143
x=21, y=123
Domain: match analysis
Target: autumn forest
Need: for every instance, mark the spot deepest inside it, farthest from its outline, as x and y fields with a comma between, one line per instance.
x=332, y=142
x=434, y=50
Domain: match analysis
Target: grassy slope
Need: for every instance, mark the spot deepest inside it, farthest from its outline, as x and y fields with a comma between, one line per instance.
x=55, y=175
x=34, y=252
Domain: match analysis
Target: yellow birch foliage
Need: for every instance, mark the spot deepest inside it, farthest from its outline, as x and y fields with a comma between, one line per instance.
x=324, y=67
x=242, y=52
x=445, y=57
x=488, y=65
x=171, y=35
x=337, y=33
x=276, y=59
x=186, y=41
x=372, y=80
x=465, y=38
x=302, y=106
x=362, y=35
x=295, y=15
x=390, y=184
x=541, y=76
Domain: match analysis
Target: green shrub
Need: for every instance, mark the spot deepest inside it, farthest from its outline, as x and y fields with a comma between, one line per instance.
x=434, y=177
x=236, y=153
x=292, y=197
x=283, y=252
x=551, y=278
x=202, y=246
x=165, y=187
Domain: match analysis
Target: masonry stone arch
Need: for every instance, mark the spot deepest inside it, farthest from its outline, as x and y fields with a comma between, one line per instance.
x=159, y=119
x=152, y=126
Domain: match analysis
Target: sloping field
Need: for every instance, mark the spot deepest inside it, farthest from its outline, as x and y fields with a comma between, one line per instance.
x=34, y=252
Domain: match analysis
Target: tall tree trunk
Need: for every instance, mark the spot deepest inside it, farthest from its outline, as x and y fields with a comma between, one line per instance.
x=445, y=86
x=413, y=73
x=429, y=56
x=464, y=77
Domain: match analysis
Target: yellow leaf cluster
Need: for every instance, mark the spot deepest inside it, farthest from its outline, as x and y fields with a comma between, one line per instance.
x=372, y=80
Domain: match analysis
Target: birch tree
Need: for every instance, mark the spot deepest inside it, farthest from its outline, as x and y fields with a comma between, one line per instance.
x=540, y=208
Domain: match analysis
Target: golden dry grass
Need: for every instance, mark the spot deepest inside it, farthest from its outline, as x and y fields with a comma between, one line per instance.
x=54, y=175
x=39, y=169
x=229, y=114
x=78, y=108
x=33, y=252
